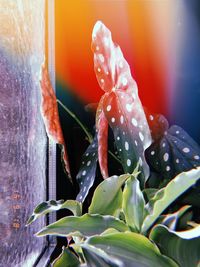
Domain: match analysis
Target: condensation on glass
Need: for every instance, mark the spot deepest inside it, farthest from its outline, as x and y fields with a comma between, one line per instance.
x=22, y=135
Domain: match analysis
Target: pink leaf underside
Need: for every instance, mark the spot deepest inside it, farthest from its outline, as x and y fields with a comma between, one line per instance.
x=120, y=103
x=102, y=135
x=51, y=117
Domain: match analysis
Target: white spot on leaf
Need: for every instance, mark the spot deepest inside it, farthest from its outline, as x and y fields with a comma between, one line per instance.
x=134, y=122
x=166, y=157
x=128, y=107
x=163, y=145
x=126, y=145
x=108, y=108
x=151, y=117
x=136, y=143
x=128, y=162
x=141, y=136
x=186, y=150
x=124, y=81
x=168, y=168
x=101, y=57
x=84, y=173
x=121, y=64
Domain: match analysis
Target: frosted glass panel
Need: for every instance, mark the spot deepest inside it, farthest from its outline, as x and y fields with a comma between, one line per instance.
x=22, y=134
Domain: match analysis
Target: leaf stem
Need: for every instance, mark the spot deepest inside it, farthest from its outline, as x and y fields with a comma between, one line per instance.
x=88, y=134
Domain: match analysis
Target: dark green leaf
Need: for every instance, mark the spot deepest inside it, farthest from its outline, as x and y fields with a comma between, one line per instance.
x=87, y=172
x=183, y=246
x=173, y=150
x=171, y=220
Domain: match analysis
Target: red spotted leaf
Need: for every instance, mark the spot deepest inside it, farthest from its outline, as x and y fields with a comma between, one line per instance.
x=121, y=106
x=51, y=117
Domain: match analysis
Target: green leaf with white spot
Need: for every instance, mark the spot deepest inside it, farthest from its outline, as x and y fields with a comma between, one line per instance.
x=164, y=197
x=86, y=225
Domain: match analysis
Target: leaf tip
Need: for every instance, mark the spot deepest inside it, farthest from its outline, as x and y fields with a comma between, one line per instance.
x=98, y=25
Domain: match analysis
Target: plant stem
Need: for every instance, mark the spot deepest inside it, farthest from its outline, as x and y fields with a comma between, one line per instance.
x=113, y=155
x=88, y=134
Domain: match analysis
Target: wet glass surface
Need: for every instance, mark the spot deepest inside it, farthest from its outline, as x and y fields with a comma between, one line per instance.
x=22, y=134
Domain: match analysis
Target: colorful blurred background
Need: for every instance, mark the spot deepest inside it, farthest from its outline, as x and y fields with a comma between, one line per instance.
x=160, y=40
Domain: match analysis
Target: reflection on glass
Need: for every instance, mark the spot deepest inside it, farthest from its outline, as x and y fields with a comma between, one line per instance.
x=22, y=135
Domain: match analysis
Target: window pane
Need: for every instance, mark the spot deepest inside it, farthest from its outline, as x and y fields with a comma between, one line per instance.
x=22, y=134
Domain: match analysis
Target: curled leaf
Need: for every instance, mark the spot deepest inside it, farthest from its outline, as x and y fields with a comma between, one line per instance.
x=50, y=116
x=52, y=205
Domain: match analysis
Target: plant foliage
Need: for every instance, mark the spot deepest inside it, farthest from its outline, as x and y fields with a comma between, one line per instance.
x=128, y=222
